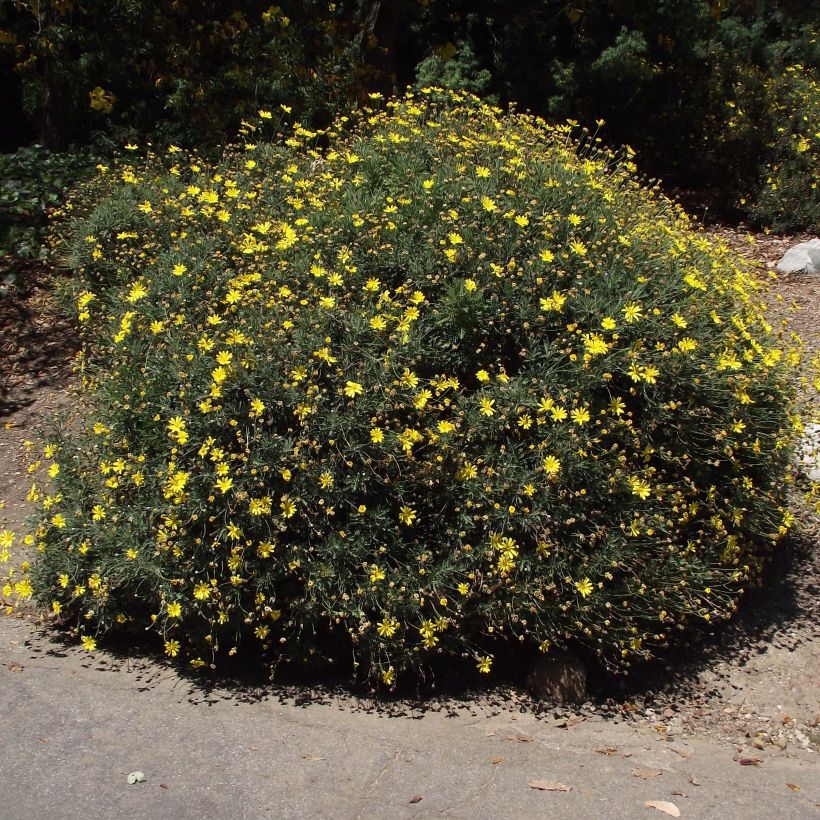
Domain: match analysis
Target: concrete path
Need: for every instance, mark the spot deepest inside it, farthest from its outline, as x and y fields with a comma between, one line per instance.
x=75, y=726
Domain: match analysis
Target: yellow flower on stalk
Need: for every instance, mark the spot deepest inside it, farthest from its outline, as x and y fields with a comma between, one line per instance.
x=640, y=488
x=488, y=204
x=407, y=515
x=468, y=472
x=138, y=291
x=650, y=374
x=202, y=591
x=89, y=644
x=487, y=407
x=376, y=574
x=584, y=587
x=594, y=344
x=484, y=664
x=174, y=609
x=552, y=466
x=377, y=435
x=388, y=627
x=23, y=589
x=617, y=406
x=179, y=269
x=558, y=413
x=224, y=484
x=172, y=648
x=580, y=416
x=288, y=507
x=353, y=389
x=632, y=312
x=409, y=378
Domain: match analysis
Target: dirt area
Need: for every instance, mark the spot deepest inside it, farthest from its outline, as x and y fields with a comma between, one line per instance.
x=754, y=683
x=37, y=346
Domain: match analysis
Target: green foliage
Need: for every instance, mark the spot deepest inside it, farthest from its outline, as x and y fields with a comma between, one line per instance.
x=788, y=196
x=187, y=71
x=659, y=75
x=33, y=181
x=456, y=69
x=443, y=383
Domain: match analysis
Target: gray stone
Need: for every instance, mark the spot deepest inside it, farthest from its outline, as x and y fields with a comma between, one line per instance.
x=809, y=451
x=803, y=258
x=559, y=677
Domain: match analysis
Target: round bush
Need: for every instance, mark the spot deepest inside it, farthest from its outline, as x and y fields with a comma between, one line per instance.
x=433, y=379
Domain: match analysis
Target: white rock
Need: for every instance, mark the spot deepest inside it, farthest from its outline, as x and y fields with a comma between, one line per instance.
x=802, y=258
x=809, y=451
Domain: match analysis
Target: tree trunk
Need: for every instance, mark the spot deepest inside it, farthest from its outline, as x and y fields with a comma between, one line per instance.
x=381, y=24
x=54, y=125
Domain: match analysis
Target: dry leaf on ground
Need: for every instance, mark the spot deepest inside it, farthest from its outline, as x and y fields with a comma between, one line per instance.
x=549, y=786
x=645, y=774
x=665, y=806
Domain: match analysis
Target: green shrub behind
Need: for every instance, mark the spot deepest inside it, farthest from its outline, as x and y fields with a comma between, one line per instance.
x=446, y=382
x=33, y=181
x=788, y=196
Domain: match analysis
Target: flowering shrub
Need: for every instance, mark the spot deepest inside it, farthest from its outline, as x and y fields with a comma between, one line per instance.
x=788, y=196
x=445, y=381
